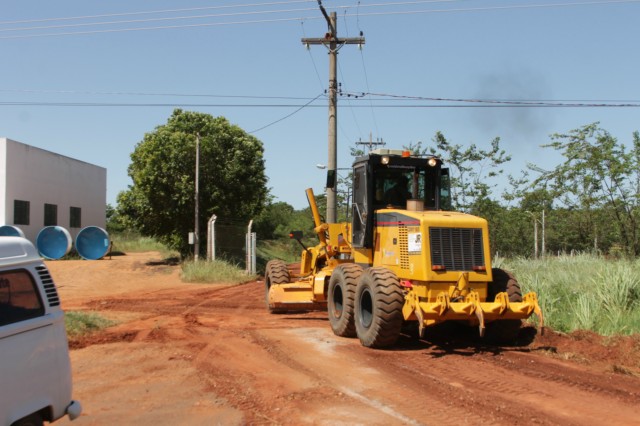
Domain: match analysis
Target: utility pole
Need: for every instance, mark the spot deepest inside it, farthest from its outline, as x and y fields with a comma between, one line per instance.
x=371, y=143
x=196, y=239
x=333, y=44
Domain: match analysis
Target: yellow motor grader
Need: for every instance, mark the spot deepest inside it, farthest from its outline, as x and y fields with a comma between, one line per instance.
x=403, y=257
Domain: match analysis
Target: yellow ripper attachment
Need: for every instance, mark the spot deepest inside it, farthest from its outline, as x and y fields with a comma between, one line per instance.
x=443, y=309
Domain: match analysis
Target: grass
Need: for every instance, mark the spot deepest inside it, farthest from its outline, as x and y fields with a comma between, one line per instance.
x=287, y=250
x=216, y=271
x=583, y=292
x=80, y=323
x=134, y=243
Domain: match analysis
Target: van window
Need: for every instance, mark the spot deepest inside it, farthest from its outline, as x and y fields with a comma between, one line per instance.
x=19, y=298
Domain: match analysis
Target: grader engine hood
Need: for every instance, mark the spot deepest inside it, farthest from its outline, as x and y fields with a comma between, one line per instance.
x=432, y=245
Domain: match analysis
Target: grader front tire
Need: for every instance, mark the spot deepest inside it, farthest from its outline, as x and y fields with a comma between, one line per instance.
x=276, y=272
x=342, y=289
x=378, y=308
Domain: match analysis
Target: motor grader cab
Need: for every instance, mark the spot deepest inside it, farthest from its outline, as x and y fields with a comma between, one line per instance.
x=404, y=258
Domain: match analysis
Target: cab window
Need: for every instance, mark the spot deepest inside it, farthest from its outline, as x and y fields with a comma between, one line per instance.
x=395, y=185
x=19, y=298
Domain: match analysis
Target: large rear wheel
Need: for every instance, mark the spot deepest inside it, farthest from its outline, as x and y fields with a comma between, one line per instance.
x=378, y=308
x=504, y=331
x=276, y=272
x=342, y=290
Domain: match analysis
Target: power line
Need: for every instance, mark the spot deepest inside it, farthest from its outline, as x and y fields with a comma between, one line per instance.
x=308, y=105
x=501, y=102
x=143, y=21
x=287, y=116
x=166, y=27
x=119, y=93
x=151, y=12
x=300, y=18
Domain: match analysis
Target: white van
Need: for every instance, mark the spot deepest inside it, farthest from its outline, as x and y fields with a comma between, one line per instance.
x=35, y=371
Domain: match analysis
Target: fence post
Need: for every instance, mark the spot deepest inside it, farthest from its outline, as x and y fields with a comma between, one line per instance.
x=211, y=238
x=250, y=250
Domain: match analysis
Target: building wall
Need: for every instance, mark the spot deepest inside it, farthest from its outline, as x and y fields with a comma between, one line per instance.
x=3, y=181
x=40, y=176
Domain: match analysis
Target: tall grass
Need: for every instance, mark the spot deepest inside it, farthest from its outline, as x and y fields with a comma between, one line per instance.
x=583, y=291
x=134, y=243
x=216, y=271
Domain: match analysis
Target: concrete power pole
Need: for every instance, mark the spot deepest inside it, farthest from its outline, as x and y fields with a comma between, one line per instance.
x=196, y=240
x=333, y=43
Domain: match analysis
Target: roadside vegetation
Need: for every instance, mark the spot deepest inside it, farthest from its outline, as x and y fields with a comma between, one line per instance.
x=79, y=323
x=216, y=271
x=583, y=292
x=133, y=242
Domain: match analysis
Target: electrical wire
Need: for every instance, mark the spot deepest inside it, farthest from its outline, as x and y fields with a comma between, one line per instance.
x=287, y=116
x=502, y=102
x=144, y=21
x=304, y=35
x=308, y=105
x=289, y=19
x=152, y=12
x=188, y=95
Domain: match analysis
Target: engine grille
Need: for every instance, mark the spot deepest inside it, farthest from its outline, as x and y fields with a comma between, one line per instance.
x=457, y=249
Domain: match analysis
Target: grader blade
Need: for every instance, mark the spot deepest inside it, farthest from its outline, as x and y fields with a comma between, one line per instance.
x=294, y=297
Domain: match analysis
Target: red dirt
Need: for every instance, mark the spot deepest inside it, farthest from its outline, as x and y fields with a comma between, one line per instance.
x=211, y=354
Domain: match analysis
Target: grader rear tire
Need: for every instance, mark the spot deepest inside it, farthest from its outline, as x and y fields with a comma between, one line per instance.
x=378, y=308
x=504, y=331
x=340, y=305
x=276, y=272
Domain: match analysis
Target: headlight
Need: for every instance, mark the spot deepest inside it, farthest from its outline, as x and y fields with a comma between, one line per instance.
x=385, y=160
x=432, y=162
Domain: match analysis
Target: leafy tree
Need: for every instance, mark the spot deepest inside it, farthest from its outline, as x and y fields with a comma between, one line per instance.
x=471, y=168
x=115, y=222
x=161, y=201
x=600, y=178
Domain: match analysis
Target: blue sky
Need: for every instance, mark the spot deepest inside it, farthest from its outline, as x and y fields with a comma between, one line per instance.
x=219, y=63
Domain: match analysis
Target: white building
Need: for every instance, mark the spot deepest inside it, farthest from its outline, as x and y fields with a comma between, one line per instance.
x=40, y=188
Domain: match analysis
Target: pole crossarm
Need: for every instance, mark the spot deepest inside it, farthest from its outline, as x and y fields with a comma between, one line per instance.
x=327, y=41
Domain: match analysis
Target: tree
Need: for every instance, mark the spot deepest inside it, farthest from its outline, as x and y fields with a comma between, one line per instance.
x=471, y=168
x=600, y=178
x=232, y=183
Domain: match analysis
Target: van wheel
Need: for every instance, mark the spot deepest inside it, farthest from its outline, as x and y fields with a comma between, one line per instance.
x=342, y=291
x=34, y=419
x=276, y=273
x=378, y=308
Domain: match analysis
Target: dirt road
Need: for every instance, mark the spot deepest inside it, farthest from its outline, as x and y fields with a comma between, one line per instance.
x=211, y=354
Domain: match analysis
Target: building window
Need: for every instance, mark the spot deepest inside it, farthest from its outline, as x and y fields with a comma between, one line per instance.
x=19, y=298
x=20, y=212
x=50, y=215
x=75, y=217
